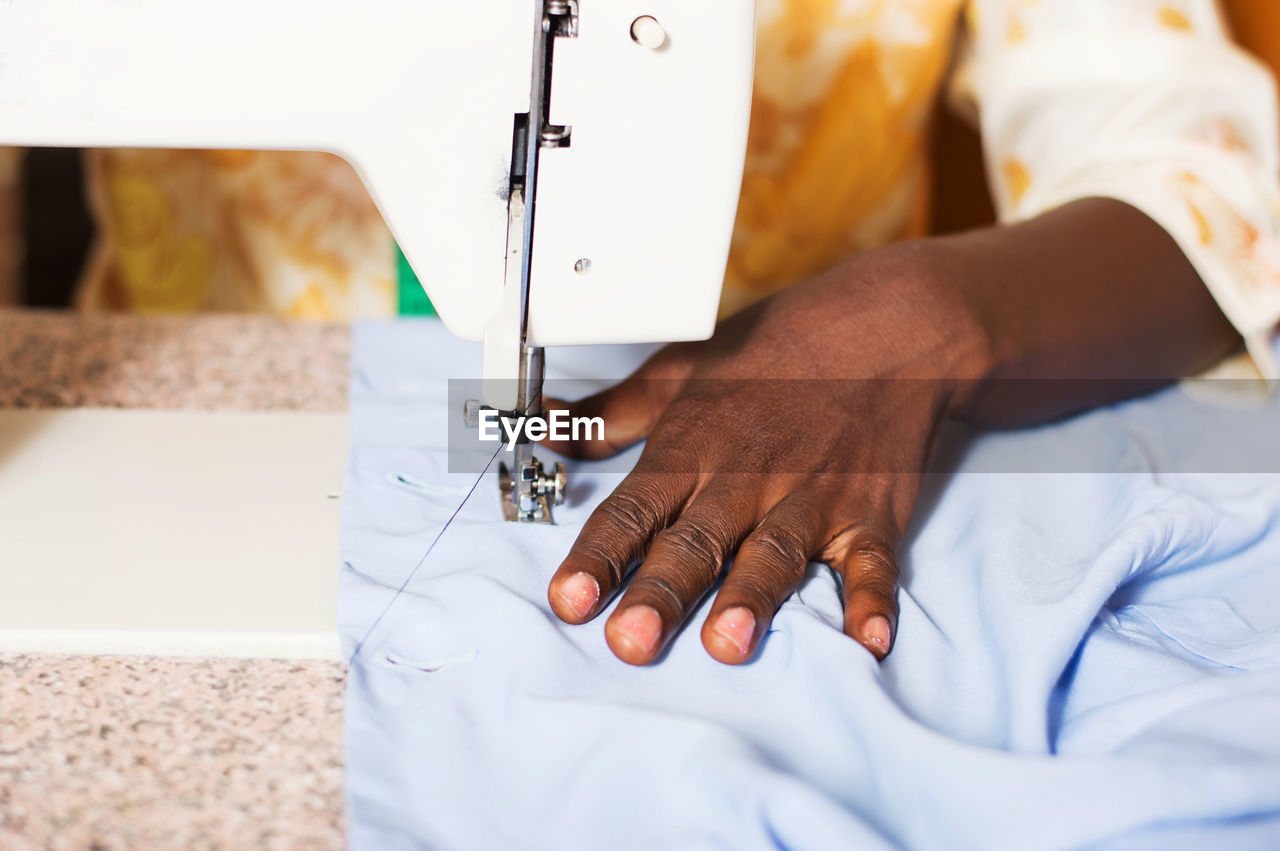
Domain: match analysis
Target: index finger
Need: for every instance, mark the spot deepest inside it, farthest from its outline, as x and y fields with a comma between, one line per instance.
x=614, y=538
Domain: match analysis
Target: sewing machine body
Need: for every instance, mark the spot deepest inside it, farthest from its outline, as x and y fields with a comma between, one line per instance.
x=420, y=97
x=614, y=128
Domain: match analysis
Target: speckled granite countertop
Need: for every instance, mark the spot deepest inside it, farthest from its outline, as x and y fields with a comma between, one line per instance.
x=135, y=753
x=217, y=362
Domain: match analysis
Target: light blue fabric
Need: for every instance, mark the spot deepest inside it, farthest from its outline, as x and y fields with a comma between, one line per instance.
x=1082, y=658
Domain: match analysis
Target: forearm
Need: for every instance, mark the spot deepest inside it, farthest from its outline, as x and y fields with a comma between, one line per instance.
x=1094, y=293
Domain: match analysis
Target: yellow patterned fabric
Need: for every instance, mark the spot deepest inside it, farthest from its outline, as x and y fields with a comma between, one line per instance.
x=288, y=233
x=836, y=156
x=1144, y=100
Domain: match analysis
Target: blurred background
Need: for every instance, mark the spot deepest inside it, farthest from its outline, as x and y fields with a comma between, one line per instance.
x=45, y=229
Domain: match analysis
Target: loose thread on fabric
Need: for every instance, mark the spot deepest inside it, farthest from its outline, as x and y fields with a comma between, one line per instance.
x=355, y=653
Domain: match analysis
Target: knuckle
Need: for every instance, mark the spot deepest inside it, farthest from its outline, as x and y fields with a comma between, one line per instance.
x=700, y=543
x=622, y=526
x=770, y=564
x=761, y=593
x=779, y=545
x=616, y=563
x=632, y=512
x=873, y=559
x=870, y=568
x=667, y=593
x=884, y=593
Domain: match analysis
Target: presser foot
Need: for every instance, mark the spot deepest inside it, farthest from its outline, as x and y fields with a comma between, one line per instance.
x=529, y=500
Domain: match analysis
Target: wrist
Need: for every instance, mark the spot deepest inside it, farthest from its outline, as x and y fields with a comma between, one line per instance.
x=1094, y=296
x=919, y=289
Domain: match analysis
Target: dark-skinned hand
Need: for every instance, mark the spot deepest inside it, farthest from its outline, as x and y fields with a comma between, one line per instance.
x=796, y=434
x=799, y=432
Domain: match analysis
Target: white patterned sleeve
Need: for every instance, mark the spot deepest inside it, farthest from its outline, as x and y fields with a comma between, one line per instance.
x=1149, y=103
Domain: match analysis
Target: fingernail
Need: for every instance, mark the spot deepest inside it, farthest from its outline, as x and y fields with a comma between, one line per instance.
x=738, y=625
x=876, y=630
x=580, y=593
x=641, y=626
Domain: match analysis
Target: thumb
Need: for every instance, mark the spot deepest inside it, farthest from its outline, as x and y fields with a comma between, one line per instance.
x=629, y=410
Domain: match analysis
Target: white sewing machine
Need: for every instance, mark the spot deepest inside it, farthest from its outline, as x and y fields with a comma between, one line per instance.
x=613, y=130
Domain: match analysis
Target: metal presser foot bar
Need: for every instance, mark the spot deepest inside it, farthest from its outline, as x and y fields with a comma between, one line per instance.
x=528, y=490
